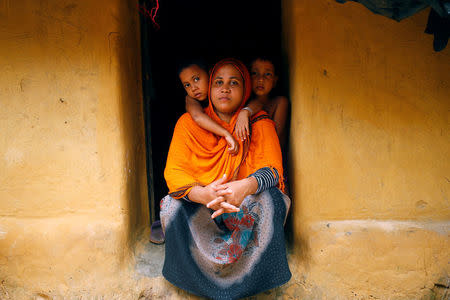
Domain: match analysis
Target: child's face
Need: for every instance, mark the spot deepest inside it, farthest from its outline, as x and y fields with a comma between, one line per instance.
x=263, y=77
x=195, y=82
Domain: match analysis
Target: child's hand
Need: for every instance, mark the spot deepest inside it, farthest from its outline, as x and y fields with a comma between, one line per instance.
x=233, y=146
x=241, y=127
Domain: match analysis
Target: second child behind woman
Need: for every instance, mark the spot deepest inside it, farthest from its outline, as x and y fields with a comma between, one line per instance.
x=264, y=80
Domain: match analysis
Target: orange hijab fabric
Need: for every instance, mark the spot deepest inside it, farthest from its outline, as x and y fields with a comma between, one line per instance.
x=199, y=157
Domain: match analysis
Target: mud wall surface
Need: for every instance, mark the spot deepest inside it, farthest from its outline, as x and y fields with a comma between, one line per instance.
x=73, y=195
x=370, y=141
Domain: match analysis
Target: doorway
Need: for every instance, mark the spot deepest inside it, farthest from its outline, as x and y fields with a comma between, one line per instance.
x=210, y=30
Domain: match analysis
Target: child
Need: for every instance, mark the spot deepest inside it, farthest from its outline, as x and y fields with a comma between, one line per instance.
x=264, y=79
x=195, y=81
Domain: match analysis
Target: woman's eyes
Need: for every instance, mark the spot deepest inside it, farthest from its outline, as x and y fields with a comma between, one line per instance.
x=186, y=85
x=196, y=79
x=268, y=74
x=221, y=82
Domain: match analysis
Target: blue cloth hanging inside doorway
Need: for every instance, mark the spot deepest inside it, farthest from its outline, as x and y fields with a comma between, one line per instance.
x=400, y=9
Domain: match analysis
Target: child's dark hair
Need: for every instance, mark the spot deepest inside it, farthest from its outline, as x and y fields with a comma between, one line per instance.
x=191, y=62
x=266, y=57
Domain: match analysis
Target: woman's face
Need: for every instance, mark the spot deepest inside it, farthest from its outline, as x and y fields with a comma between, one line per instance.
x=227, y=90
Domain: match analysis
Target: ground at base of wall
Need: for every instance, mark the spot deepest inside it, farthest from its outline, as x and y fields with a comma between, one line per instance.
x=159, y=288
x=147, y=282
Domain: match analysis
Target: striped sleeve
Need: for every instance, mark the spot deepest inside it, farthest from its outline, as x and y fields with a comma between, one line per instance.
x=186, y=198
x=266, y=178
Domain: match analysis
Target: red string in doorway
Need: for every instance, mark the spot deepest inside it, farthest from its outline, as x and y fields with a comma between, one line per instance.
x=150, y=14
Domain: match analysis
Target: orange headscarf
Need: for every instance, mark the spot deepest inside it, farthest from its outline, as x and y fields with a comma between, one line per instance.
x=198, y=157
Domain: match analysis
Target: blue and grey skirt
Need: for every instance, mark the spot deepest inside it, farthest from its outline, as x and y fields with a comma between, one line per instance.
x=236, y=255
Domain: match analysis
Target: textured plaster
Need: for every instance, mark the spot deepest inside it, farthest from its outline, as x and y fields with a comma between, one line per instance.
x=369, y=155
x=369, y=148
x=73, y=196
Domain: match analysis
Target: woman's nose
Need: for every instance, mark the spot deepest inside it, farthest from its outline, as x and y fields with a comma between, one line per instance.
x=226, y=88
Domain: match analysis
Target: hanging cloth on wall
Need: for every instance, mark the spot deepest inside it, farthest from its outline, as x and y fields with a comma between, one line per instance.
x=399, y=9
x=440, y=27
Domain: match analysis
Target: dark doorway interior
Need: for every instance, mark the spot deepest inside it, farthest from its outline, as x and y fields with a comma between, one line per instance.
x=190, y=29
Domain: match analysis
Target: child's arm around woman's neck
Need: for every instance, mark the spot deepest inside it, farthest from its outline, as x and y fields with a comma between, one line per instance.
x=194, y=108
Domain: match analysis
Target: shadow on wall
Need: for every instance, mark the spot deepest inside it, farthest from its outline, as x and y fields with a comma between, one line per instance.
x=124, y=51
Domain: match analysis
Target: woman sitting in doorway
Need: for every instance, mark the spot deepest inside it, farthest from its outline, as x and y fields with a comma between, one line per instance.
x=224, y=216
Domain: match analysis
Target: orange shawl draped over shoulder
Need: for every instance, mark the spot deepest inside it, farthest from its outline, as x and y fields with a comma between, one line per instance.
x=199, y=157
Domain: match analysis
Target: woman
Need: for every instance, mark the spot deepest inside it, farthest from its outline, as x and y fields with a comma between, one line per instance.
x=223, y=218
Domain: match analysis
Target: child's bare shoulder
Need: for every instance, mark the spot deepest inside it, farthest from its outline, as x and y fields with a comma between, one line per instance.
x=281, y=101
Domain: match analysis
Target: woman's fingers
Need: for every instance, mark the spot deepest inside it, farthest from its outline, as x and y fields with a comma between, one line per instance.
x=217, y=213
x=229, y=207
x=215, y=202
x=222, y=211
x=223, y=186
x=223, y=192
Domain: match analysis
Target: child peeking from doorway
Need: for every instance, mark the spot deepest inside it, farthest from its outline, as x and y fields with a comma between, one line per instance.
x=264, y=79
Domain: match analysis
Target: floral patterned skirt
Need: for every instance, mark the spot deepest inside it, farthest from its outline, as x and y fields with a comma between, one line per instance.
x=236, y=255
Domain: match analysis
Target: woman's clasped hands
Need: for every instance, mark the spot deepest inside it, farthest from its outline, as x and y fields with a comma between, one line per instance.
x=219, y=203
x=221, y=196
x=230, y=194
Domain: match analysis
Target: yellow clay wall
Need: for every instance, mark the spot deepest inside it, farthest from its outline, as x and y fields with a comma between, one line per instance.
x=73, y=194
x=369, y=144
x=370, y=148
